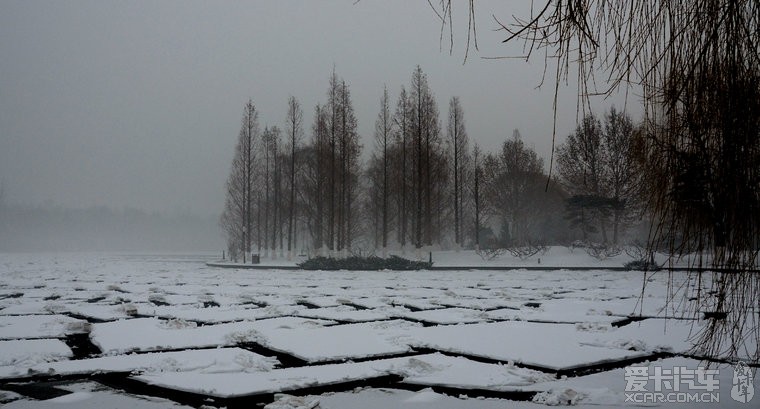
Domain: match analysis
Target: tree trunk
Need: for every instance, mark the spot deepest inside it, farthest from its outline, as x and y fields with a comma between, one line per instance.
x=291, y=217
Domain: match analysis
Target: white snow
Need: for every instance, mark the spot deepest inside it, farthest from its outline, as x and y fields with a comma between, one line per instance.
x=442, y=370
x=554, y=320
x=219, y=360
x=276, y=380
x=550, y=346
x=39, y=326
x=93, y=395
x=152, y=334
x=18, y=355
x=607, y=389
x=339, y=342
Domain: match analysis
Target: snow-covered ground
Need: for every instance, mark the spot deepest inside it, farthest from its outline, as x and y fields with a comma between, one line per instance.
x=107, y=330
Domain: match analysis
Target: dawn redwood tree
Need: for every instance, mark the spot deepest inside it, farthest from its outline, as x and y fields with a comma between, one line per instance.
x=373, y=199
x=316, y=178
x=333, y=109
x=343, y=167
x=383, y=139
x=237, y=217
x=349, y=151
x=272, y=188
x=402, y=119
x=294, y=129
x=429, y=174
x=478, y=218
x=418, y=87
x=458, y=150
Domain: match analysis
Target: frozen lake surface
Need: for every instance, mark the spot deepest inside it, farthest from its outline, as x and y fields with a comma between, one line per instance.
x=154, y=331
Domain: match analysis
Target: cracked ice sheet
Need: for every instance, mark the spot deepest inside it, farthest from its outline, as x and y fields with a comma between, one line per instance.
x=40, y=326
x=430, y=368
x=441, y=370
x=277, y=380
x=654, y=335
x=220, y=360
x=552, y=346
x=447, y=316
x=18, y=355
x=216, y=314
x=104, y=312
x=31, y=307
x=94, y=395
x=383, y=398
x=607, y=389
x=340, y=341
x=152, y=334
x=350, y=314
x=557, y=310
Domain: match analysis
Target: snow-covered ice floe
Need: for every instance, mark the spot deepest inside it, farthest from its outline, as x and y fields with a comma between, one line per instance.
x=218, y=360
x=153, y=334
x=17, y=356
x=40, y=326
x=426, y=369
x=183, y=326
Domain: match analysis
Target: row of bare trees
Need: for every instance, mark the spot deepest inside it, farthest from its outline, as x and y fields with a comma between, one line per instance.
x=424, y=184
x=279, y=190
x=408, y=172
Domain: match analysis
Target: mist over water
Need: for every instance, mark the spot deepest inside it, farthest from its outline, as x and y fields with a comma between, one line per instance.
x=137, y=105
x=44, y=228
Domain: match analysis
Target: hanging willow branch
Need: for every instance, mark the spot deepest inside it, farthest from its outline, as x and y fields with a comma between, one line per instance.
x=698, y=65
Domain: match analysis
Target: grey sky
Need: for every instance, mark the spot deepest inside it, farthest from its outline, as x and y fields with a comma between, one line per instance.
x=138, y=104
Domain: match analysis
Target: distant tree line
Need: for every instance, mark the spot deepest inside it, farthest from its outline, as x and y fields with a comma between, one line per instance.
x=424, y=185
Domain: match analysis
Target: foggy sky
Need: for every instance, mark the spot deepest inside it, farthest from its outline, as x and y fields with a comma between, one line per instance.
x=138, y=104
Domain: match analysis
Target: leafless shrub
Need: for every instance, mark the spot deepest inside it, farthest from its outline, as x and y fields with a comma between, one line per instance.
x=602, y=251
x=637, y=251
x=489, y=254
x=577, y=244
x=527, y=251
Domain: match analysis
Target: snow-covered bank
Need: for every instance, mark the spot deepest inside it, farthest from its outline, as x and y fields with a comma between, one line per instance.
x=552, y=257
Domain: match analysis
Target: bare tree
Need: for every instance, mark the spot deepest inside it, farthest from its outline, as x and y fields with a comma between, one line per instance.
x=418, y=87
x=333, y=108
x=316, y=177
x=343, y=166
x=237, y=218
x=478, y=218
x=430, y=176
x=581, y=167
x=295, y=133
x=272, y=188
x=509, y=177
x=597, y=165
x=623, y=174
x=402, y=120
x=350, y=150
x=458, y=141
x=383, y=133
